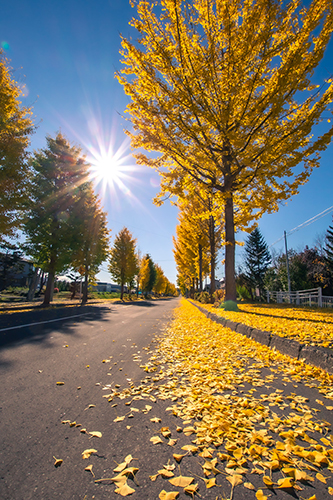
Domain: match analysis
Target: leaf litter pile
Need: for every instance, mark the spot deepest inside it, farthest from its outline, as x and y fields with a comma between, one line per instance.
x=305, y=325
x=250, y=431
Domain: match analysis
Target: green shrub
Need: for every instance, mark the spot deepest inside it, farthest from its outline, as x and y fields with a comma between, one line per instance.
x=229, y=305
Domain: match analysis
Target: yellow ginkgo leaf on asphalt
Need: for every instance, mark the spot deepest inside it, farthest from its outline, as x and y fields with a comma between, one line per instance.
x=58, y=462
x=169, y=466
x=122, y=466
x=60, y=383
x=88, y=452
x=168, y=495
x=124, y=490
x=285, y=482
x=321, y=478
x=301, y=475
x=235, y=479
x=205, y=454
x=119, y=419
x=181, y=481
x=267, y=480
x=165, y=473
x=95, y=434
x=330, y=490
x=326, y=442
x=89, y=469
x=210, y=482
x=172, y=442
x=178, y=457
x=179, y=429
x=260, y=495
x=155, y=420
x=238, y=453
x=188, y=431
x=156, y=440
x=165, y=431
x=249, y=486
x=190, y=447
x=191, y=489
x=153, y=477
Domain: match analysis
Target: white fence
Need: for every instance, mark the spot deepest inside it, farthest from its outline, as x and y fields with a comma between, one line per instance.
x=310, y=298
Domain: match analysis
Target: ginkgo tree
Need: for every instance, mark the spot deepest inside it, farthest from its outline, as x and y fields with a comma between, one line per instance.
x=198, y=238
x=123, y=259
x=16, y=126
x=221, y=93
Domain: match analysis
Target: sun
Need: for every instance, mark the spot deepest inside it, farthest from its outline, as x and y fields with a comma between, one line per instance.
x=106, y=169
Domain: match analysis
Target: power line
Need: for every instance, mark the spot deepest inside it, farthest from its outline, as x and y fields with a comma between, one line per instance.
x=304, y=224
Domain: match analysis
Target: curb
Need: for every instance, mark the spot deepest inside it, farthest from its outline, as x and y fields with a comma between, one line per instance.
x=315, y=356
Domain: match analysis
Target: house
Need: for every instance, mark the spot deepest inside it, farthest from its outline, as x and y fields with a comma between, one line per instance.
x=14, y=270
x=103, y=286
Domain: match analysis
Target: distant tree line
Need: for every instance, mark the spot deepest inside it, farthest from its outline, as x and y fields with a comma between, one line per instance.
x=140, y=273
x=261, y=271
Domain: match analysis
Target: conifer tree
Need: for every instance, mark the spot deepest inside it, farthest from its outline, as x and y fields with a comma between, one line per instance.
x=51, y=223
x=91, y=244
x=221, y=94
x=257, y=260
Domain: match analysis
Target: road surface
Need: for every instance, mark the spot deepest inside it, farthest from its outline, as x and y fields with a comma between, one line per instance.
x=32, y=406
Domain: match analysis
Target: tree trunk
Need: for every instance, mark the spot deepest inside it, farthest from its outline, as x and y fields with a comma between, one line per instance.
x=85, y=288
x=200, y=266
x=49, y=288
x=33, y=286
x=230, y=282
x=212, y=256
x=121, y=291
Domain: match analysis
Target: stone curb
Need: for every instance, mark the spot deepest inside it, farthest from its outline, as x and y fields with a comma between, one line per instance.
x=312, y=355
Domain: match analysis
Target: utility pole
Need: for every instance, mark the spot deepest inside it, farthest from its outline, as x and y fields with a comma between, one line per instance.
x=287, y=259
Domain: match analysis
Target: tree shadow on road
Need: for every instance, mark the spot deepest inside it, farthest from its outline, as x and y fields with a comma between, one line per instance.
x=37, y=326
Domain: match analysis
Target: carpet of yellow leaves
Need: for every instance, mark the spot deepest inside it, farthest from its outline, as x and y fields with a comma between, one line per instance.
x=307, y=326
x=234, y=397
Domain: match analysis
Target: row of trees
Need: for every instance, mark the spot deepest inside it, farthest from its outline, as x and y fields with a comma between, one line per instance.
x=128, y=268
x=221, y=94
x=309, y=268
x=50, y=198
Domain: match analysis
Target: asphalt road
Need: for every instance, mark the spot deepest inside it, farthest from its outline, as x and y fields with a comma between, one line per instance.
x=32, y=406
x=92, y=350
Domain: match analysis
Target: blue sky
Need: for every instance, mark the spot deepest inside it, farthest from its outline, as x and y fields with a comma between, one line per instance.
x=64, y=54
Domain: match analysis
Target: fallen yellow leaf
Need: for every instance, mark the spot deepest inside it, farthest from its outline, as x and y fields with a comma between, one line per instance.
x=124, y=490
x=260, y=495
x=96, y=434
x=171, y=495
x=89, y=469
x=88, y=452
x=156, y=440
x=181, y=481
x=58, y=462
